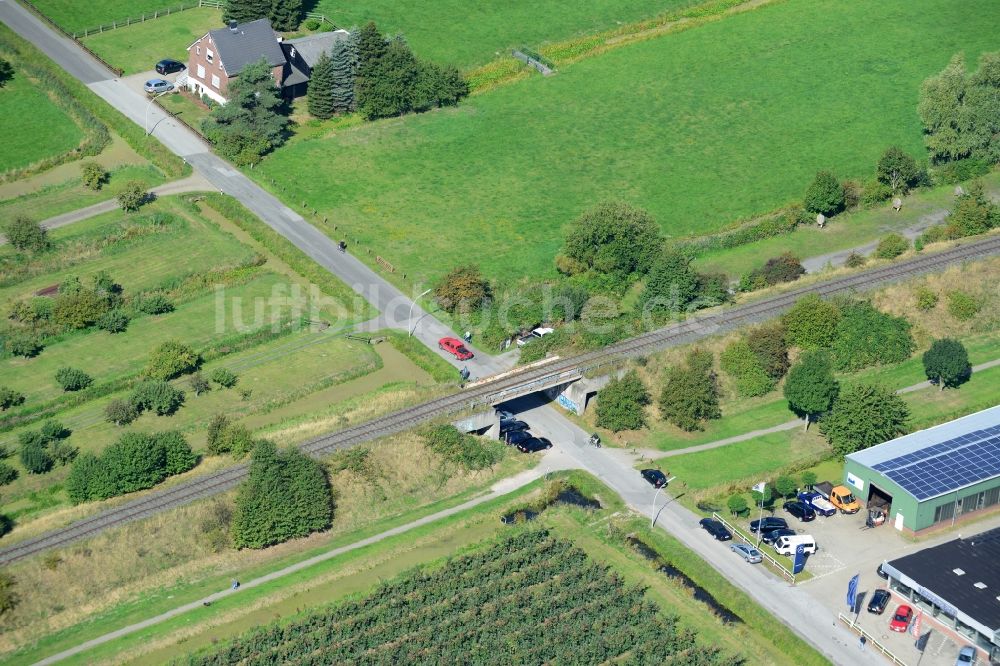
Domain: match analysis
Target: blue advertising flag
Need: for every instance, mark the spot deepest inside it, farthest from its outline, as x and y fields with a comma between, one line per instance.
x=852, y=591
x=800, y=559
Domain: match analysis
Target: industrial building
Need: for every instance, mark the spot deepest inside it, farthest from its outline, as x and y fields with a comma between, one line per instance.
x=938, y=476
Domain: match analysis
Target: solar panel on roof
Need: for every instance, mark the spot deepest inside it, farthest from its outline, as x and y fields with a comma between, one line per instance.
x=947, y=466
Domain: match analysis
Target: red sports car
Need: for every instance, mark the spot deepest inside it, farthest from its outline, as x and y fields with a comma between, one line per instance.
x=455, y=346
x=901, y=618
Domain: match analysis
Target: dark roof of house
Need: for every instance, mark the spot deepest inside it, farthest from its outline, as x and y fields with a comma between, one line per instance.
x=311, y=46
x=976, y=591
x=247, y=44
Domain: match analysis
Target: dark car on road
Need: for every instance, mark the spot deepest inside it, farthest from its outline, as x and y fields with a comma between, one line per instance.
x=769, y=523
x=534, y=445
x=770, y=536
x=512, y=425
x=800, y=510
x=716, y=529
x=515, y=437
x=880, y=599
x=654, y=477
x=168, y=66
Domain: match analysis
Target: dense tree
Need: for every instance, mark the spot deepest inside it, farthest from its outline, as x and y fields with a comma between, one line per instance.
x=370, y=46
x=812, y=322
x=809, y=478
x=171, y=359
x=961, y=114
x=153, y=304
x=120, y=412
x=862, y=416
x=34, y=454
x=737, y=505
x=621, y=404
x=244, y=11
x=947, y=363
x=671, y=284
x=785, y=485
x=776, y=270
x=214, y=440
x=462, y=289
x=691, y=394
x=10, y=398
x=94, y=175
x=286, y=495
x=769, y=344
x=811, y=388
x=898, y=170
x=974, y=214
x=388, y=89
x=113, y=321
x=23, y=343
x=614, y=238
x=132, y=195
x=78, y=309
x=963, y=306
x=252, y=123
x=7, y=473
x=158, y=396
x=739, y=362
x=199, y=384
x=285, y=14
x=344, y=70
x=321, y=81
x=6, y=72
x=25, y=234
x=866, y=336
x=824, y=195
x=135, y=462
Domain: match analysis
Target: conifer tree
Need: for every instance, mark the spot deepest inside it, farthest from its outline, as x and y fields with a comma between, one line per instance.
x=285, y=14
x=344, y=64
x=244, y=11
x=320, y=101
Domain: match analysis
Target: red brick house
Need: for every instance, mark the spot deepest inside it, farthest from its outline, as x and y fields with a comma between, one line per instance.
x=220, y=55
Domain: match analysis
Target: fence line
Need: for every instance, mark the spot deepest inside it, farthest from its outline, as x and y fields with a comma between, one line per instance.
x=58, y=28
x=142, y=18
x=870, y=639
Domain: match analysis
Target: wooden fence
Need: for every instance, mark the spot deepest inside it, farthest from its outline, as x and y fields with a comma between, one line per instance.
x=147, y=16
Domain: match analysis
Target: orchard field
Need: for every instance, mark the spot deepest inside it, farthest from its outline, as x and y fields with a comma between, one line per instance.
x=722, y=121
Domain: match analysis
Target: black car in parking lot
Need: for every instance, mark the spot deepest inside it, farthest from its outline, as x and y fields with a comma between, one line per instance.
x=716, y=529
x=516, y=437
x=770, y=536
x=168, y=66
x=800, y=510
x=880, y=599
x=534, y=444
x=769, y=523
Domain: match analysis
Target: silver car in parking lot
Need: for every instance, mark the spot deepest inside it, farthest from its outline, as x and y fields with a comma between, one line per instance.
x=747, y=552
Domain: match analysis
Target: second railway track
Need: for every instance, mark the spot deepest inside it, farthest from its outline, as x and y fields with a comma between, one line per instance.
x=694, y=328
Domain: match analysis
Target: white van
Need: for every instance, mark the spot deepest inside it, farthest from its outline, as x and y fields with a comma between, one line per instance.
x=786, y=545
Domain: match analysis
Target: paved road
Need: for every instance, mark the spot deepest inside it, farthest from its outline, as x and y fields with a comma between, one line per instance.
x=550, y=463
x=394, y=305
x=790, y=604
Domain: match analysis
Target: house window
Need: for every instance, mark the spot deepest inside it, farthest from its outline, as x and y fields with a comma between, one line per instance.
x=215, y=81
x=292, y=51
x=201, y=71
x=209, y=55
x=197, y=50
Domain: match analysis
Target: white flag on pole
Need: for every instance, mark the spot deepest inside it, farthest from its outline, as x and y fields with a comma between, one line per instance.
x=759, y=488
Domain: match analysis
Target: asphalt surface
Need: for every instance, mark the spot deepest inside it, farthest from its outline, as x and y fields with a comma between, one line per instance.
x=790, y=604
x=396, y=308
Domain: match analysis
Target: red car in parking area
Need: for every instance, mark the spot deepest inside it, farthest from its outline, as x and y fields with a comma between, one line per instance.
x=901, y=618
x=455, y=346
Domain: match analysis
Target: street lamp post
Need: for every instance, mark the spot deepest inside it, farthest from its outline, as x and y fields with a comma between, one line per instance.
x=409, y=317
x=145, y=118
x=652, y=521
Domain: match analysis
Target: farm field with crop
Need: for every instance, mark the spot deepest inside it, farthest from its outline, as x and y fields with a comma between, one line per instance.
x=724, y=121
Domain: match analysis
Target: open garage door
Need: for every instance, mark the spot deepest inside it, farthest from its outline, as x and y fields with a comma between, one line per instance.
x=879, y=503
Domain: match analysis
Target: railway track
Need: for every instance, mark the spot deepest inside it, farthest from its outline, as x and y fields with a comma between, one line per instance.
x=691, y=329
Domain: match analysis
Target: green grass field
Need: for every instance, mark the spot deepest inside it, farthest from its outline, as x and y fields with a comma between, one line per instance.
x=727, y=120
x=76, y=16
x=71, y=195
x=139, y=47
x=34, y=127
x=453, y=32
